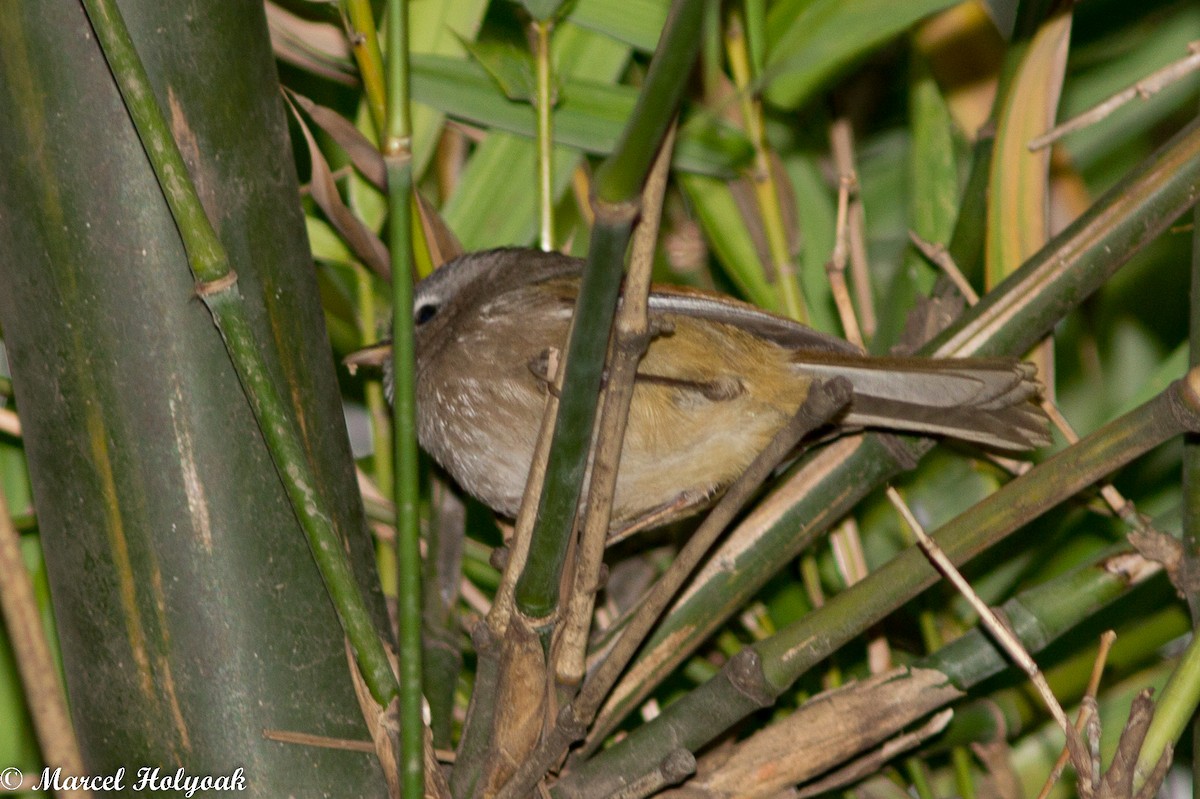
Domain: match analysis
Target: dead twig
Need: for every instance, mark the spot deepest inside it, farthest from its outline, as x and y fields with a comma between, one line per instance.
x=1086, y=711
x=43, y=694
x=841, y=139
x=1000, y=631
x=1143, y=89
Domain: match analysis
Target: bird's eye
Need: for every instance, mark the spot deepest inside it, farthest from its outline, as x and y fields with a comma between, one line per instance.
x=424, y=313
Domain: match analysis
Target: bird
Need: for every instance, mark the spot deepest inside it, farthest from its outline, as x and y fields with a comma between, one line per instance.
x=718, y=379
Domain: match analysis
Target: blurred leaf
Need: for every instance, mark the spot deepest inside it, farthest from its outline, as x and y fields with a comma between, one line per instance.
x=1018, y=207
x=510, y=66
x=360, y=238
x=314, y=46
x=542, y=10
x=363, y=153
x=486, y=211
x=438, y=28
x=589, y=117
x=809, y=41
x=636, y=23
x=932, y=200
x=719, y=216
x=498, y=164
x=816, y=212
x=933, y=168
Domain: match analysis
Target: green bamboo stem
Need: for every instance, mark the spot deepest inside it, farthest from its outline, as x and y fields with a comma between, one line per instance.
x=766, y=192
x=1177, y=705
x=619, y=178
x=618, y=184
x=381, y=427
x=397, y=156
x=761, y=672
x=537, y=589
x=364, y=42
x=899, y=698
x=1173, y=710
x=543, y=104
x=441, y=629
x=1191, y=486
x=217, y=288
x=1007, y=320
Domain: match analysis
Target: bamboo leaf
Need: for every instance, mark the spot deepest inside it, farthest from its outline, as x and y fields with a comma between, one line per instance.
x=510, y=66
x=809, y=41
x=590, y=116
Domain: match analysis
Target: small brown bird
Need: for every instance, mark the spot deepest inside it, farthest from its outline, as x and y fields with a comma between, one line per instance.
x=713, y=388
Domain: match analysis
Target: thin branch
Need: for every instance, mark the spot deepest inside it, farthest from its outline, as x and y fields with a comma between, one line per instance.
x=835, y=268
x=39, y=675
x=998, y=629
x=1085, y=710
x=631, y=337
x=318, y=741
x=1143, y=89
x=940, y=257
x=841, y=139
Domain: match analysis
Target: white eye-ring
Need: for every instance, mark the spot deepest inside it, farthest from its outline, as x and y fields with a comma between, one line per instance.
x=424, y=312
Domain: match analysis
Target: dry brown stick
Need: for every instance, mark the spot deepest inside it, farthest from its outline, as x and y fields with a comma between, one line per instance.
x=381, y=724
x=631, y=337
x=872, y=761
x=319, y=741
x=1081, y=721
x=502, y=606
x=940, y=257
x=998, y=629
x=1144, y=89
x=841, y=137
x=39, y=675
x=823, y=401
x=835, y=267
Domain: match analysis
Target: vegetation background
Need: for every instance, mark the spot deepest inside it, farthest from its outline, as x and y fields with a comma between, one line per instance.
x=921, y=112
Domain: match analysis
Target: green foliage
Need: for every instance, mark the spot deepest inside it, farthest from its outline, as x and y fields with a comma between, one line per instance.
x=475, y=162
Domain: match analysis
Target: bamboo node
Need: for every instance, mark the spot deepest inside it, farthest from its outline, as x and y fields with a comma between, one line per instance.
x=207, y=288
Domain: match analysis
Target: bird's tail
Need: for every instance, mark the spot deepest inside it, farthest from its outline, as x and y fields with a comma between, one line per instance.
x=989, y=401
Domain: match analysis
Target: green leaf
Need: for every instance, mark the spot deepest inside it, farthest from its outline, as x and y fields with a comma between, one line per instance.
x=475, y=214
x=718, y=214
x=589, y=116
x=438, y=28
x=636, y=23
x=510, y=65
x=542, y=10
x=814, y=39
